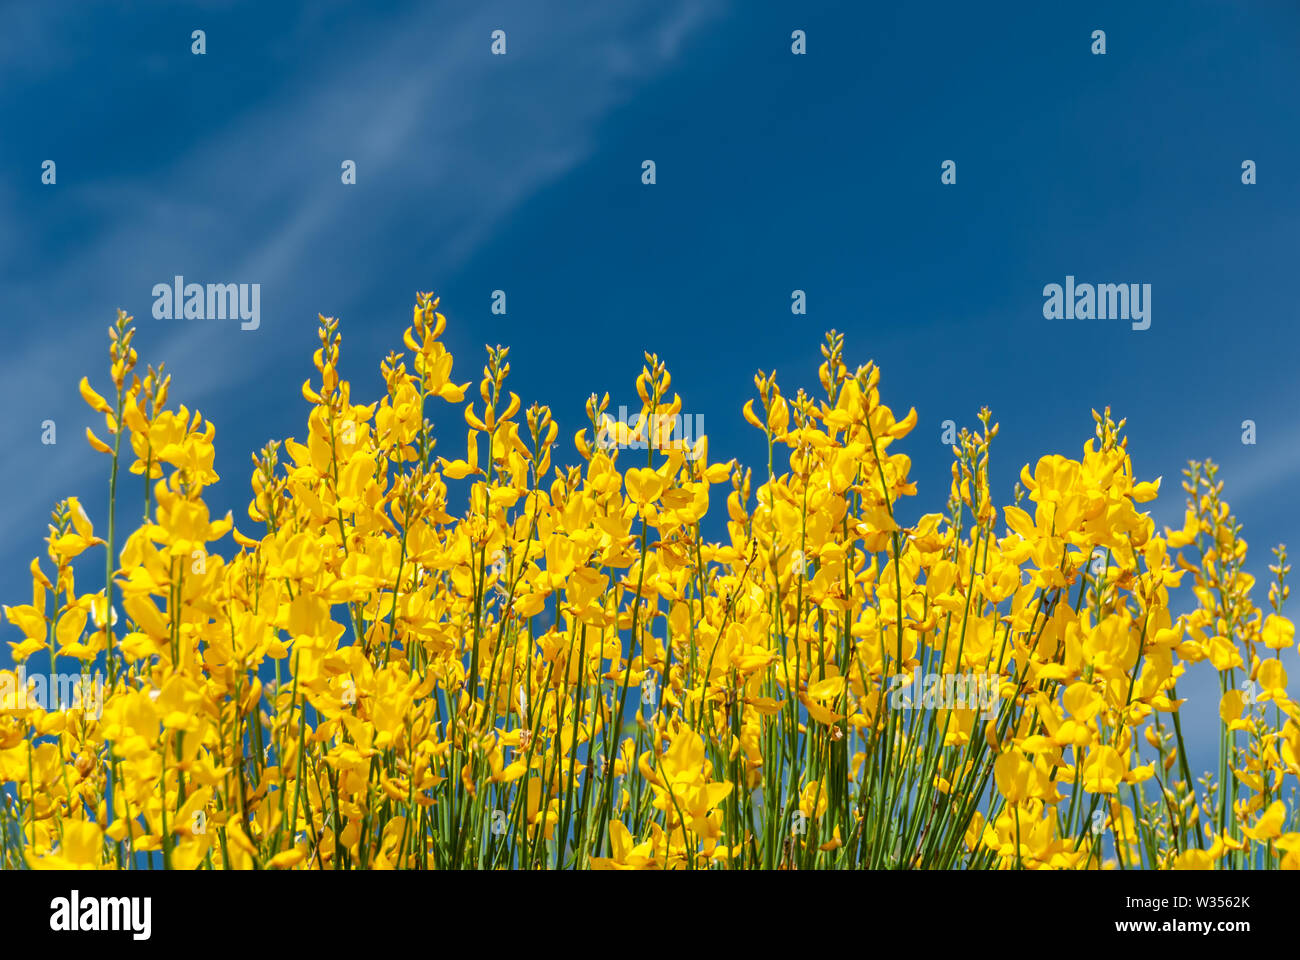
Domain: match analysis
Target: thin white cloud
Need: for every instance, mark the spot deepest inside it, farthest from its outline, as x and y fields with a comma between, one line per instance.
x=436, y=124
x=1261, y=467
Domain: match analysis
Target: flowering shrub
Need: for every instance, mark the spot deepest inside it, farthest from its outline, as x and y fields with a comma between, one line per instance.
x=567, y=675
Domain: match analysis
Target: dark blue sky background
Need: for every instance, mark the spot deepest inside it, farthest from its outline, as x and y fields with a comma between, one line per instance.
x=775, y=172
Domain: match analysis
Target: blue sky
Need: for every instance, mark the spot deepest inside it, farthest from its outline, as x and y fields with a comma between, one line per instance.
x=775, y=172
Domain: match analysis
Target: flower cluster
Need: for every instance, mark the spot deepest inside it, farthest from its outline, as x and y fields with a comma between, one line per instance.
x=492, y=660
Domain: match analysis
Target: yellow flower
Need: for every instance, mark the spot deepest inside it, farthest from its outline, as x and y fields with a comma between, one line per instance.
x=81, y=848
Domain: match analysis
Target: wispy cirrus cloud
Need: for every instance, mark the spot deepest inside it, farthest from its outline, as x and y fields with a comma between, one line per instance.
x=448, y=141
